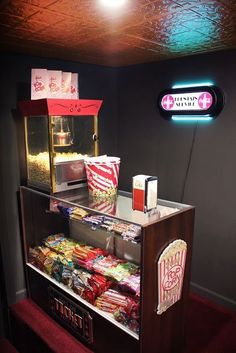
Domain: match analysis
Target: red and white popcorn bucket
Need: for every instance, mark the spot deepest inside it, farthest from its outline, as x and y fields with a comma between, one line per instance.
x=102, y=175
x=105, y=205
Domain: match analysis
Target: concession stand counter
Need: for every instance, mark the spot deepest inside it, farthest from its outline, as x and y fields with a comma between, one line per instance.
x=116, y=278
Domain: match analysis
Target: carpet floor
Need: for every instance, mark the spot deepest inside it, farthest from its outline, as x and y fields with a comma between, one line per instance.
x=210, y=329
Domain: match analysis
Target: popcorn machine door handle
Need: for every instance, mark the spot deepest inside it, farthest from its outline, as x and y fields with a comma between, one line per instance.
x=95, y=137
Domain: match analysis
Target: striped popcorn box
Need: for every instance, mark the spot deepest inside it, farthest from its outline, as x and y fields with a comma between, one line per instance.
x=102, y=175
x=171, y=267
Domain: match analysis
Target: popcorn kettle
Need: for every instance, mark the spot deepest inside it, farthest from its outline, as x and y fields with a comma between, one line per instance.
x=62, y=134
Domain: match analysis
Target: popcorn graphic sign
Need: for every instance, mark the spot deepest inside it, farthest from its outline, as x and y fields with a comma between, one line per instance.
x=170, y=272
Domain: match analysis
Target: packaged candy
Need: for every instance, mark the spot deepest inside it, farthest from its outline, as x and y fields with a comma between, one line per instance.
x=84, y=255
x=52, y=240
x=38, y=255
x=122, y=270
x=133, y=233
x=89, y=286
x=94, y=221
x=78, y=213
x=103, y=264
x=48, y=263
x=64, y=210
x=66, y=277
x=60, y=244
x=121, y=316
x=111, y=300
x=120, y=227
x=131, y=285
x=57, y=269
x=99, y=284
x=81, y=286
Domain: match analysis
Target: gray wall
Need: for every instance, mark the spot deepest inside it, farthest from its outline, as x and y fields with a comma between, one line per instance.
x=148, y=144
x=15, y=70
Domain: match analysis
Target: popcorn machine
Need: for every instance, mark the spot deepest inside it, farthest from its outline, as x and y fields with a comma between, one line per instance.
x=59, y=134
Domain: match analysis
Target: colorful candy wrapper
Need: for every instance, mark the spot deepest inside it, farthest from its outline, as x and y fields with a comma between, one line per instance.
x=57, y=269
x=131, y=285
x=66, y=277
x=103, y=264
x=121, y=316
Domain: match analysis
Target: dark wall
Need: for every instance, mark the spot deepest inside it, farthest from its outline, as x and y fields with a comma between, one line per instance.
x=15, y=74
x=3, y=301
x=148, y=144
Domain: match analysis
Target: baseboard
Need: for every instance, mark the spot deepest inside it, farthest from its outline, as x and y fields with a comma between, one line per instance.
x=21, y=294
x=211, y=295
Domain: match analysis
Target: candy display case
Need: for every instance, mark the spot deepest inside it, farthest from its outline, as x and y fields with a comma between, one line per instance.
x=59, y=133
x=116, y=279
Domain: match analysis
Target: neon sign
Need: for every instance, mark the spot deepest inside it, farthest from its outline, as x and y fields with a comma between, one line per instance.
x=191, y=102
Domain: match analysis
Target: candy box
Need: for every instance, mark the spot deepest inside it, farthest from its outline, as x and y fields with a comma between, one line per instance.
x=39, y=84
x=144, y=192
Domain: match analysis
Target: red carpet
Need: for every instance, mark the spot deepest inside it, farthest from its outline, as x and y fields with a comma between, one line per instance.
x=6, y=347
x=205, y=322
x=35, y=332
x=210, y=329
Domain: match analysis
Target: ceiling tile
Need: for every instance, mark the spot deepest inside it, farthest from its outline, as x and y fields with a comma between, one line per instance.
x=143, y=31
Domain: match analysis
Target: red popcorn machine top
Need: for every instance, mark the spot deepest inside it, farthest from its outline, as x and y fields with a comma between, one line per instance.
x=59, y=134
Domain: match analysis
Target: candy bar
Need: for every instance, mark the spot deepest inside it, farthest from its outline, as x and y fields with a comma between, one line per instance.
x=78, y=212
x=94, y=221
x=133, y=233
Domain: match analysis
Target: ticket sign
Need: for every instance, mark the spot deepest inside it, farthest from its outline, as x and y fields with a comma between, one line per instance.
x=205, y=101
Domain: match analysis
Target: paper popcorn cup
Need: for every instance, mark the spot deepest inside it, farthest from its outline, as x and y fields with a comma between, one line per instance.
x=102, y=175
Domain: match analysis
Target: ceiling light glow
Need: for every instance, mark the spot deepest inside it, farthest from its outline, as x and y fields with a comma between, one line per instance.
x=113, y=3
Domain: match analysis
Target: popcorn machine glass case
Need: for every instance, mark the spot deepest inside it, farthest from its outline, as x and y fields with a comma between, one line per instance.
x=59, y=134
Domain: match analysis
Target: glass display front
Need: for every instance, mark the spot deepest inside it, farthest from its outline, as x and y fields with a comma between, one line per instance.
x=37, y=151
x=56, y=147
x=95, y=257
x=98, y=256
x=73, y=136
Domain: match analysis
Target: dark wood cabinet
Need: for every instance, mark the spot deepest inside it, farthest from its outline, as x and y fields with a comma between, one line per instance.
x=170, y=222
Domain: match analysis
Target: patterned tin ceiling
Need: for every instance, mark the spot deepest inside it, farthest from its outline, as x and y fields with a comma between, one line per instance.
x=142, y=31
